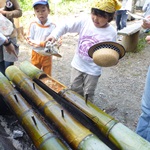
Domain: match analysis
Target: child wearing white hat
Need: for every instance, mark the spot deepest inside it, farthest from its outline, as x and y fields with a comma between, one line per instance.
x=92, y=30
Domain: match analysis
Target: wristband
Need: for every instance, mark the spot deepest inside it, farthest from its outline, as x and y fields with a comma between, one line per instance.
x=7, y=44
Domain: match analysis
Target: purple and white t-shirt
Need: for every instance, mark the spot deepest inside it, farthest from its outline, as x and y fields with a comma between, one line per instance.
x=89, y=35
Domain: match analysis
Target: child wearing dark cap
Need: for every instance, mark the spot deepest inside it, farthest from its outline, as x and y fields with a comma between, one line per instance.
x=38, y=31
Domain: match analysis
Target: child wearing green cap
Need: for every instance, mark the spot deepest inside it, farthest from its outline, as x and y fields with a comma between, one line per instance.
x=92, y=30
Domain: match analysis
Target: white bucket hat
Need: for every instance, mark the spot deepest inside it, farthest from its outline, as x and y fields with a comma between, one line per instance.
x=106, y=54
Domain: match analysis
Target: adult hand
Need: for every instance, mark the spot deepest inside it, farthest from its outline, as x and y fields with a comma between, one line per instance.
x=11, y=49
x=148, y=39
x=146, y=23
x=3, y=12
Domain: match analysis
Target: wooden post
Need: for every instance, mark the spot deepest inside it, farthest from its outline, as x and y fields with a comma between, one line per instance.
x=130, y=42
x=16, y=22
x=18, y=28
x=130, y=37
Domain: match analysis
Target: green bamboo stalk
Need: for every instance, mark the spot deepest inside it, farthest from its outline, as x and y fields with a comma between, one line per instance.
x=40, y=134
x=116, y=132
x=77, y=136
x=33, y=72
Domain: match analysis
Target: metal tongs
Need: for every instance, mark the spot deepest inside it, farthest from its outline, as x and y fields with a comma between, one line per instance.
x=51, y=49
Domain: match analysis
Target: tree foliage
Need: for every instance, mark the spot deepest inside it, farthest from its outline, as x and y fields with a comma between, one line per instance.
x=27, y=4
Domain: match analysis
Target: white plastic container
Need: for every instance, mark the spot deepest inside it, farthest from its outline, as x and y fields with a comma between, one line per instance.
x=6, y=26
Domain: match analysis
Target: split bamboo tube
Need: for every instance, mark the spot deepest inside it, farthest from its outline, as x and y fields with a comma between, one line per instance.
x=77, y=136
x=117, y=133
x=40, y=134
x=33, y=72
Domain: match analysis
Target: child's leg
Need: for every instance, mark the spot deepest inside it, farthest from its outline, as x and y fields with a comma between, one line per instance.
x=35, y=59
x=48, y=70
x=77, y=81
x=47, y=64
x=90, y=83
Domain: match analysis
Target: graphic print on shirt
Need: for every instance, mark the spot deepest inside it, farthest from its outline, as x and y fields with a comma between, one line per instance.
x=85, y=43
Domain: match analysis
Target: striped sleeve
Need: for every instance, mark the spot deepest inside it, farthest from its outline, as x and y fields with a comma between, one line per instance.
x=30, y=37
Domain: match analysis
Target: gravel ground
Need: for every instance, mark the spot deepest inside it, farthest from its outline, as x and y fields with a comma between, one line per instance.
x=118, y=92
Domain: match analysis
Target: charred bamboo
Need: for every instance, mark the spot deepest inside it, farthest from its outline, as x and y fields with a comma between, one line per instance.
x=77, y=136
x=116, y=132
x=42, y=137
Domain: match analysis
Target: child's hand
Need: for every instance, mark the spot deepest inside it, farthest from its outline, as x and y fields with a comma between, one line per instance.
x=51, y=38
x=148, y=39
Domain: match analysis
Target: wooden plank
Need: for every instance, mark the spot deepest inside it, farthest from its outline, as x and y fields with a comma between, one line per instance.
x=130, y=29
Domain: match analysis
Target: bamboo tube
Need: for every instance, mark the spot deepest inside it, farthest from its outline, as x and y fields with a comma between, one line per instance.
x=117, y=133
x=33, y=72
x=77, y=136
x=40, y=134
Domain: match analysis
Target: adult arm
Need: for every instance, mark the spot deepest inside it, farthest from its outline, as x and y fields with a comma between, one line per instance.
x=8, y=45
x=16, y=13
x=146, y=25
